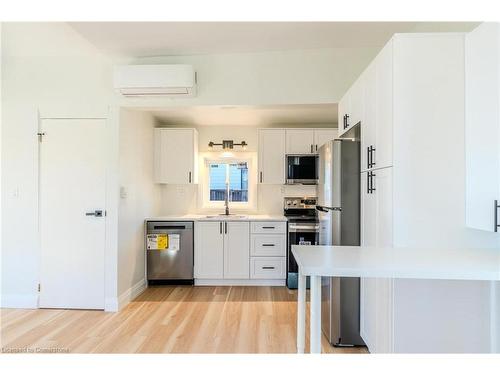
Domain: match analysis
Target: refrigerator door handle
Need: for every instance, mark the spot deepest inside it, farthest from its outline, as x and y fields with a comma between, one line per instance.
x=326, y=209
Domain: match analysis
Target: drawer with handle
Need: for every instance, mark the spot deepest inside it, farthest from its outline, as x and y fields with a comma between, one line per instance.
x=267, y=267
x=268, y=245
x=260, y=227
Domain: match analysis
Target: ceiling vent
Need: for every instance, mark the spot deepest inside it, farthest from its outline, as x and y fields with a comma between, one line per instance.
x=155, y=80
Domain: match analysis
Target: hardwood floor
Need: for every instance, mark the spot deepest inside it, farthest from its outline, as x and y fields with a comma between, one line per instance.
x=178, y=319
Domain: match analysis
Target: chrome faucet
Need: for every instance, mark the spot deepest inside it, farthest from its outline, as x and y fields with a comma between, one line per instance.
x=226, y=200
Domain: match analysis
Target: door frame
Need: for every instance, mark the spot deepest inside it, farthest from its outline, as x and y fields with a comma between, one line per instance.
x=111, y=203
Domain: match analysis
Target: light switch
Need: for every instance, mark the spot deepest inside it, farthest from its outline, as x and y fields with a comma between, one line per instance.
x=123, y=192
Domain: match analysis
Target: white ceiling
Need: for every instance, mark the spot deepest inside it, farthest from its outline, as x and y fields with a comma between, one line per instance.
x=262, y=116
x=139, y=39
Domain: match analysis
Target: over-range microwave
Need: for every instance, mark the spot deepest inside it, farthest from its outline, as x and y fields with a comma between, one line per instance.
x=302, y=169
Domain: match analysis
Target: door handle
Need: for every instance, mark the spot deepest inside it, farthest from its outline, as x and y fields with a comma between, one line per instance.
x=220, y=227
x=316, y=147
x=260, y=177
x=189, y=177
x=346, y=121
x=225, y=227
x=268, y=268
x=96, y=213
x=372, y=163
x=311, y=149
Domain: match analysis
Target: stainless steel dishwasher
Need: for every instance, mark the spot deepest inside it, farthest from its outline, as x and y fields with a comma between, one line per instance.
x=169, y=249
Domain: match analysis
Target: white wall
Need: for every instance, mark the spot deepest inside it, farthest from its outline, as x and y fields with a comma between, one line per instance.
x=49, y=68
x=142, y=198
x=281, y=77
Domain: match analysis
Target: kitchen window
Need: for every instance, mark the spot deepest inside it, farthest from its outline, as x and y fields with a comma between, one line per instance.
x=241, y=176
x=235, y=174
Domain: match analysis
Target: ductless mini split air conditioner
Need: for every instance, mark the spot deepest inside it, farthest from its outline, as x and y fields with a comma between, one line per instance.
x=155, y=80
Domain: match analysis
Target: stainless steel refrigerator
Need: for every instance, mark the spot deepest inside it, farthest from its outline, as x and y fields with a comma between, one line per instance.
x=339, y=216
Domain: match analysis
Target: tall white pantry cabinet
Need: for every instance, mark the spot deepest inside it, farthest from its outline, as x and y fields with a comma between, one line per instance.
x=413, y=191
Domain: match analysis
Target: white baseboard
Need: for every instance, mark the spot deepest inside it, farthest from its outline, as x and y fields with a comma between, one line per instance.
x=127, y=296
x=19, y=301
x=236, y=282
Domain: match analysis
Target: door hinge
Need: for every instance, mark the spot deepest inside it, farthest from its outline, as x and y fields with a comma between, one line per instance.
x=38, y=288
x=40, y=135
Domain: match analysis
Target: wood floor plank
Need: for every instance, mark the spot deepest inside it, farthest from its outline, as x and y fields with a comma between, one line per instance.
x=169, y=319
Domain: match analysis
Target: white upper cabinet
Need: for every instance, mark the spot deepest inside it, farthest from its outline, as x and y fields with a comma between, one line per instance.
x=299, y=141
x=321, y=136
x=343, y=110
x=356, y=102
x=175, y=156
x=382, y=154
x=482, y=126
x=368, y=122
x=272, y=156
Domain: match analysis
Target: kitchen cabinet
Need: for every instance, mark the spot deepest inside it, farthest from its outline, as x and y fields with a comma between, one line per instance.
x=482, y=127
x=343, y=111
x=208, y=250
x=300, y=141
x=236, y=250
x=351, y=106
x=307, y=141
x=222, y=250
x=271, y=156
x=321, y=136
x=175, y=156
x=382, y=154
x=376, y=230
x=229, y=252
x=368, y=123
x=414, y=194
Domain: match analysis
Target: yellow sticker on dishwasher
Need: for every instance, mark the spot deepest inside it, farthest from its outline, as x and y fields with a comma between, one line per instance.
x=162, y=241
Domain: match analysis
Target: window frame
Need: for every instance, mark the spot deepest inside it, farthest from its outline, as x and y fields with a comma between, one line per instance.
x=237, y=206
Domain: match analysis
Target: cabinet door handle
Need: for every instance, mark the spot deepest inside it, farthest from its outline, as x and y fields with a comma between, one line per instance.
x=268, y=227
x=372, y=189
x=220, y=227
x=316, y=147
x=368, y=182
x=368, y=157
x=261, y=177
x=311, y=149
x=268, y=268
x=497, y=206
x=372, y=162
x=346, y=121
x=225, y=227
x=189, y=177
x=267, y=244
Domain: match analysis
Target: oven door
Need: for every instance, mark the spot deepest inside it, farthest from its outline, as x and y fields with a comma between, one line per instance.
x=300, y=234
x=302, y=169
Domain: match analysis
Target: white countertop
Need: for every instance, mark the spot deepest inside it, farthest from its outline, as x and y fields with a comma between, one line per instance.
x=357, y=261
x=215, y=217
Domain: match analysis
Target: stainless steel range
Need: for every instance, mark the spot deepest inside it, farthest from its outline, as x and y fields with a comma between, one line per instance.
x=303, y=229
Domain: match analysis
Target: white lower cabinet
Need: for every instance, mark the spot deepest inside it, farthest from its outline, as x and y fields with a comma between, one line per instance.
x=236, y=250
x=376, y=294
x=208, y=250
x=239, y=251
x=268, y=267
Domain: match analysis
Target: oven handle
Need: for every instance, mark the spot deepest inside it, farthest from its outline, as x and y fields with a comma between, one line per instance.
x=293, y=228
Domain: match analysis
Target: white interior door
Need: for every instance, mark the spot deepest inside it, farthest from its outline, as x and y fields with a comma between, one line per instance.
x=72, y=186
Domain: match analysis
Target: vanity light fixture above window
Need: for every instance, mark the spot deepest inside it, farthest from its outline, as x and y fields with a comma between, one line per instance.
x=228, y=145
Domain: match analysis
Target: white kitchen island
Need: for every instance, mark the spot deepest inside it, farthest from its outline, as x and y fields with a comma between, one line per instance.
x=357, y=261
